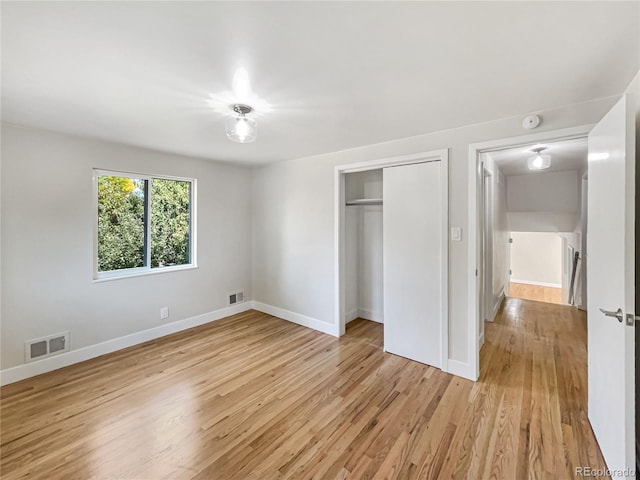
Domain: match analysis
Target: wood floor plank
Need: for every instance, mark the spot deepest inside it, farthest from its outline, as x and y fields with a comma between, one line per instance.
x=538, y=293
x=256, y=397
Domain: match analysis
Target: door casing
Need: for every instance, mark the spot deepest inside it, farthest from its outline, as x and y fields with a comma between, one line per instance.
x=475, y=202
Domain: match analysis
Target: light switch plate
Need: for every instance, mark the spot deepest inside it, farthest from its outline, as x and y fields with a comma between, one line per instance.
x=456, y=234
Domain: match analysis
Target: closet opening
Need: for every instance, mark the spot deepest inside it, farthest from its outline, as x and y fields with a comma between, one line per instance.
x=391, y=223
x=363, y=236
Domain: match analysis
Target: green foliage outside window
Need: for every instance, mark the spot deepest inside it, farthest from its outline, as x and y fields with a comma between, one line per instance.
x=122, y=222
x=170, y=215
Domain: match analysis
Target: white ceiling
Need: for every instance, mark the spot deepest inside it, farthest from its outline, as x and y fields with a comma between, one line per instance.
x=565, y=155
x=336, y=74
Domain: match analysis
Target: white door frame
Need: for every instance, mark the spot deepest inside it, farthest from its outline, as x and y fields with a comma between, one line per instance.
x=340, y=243
x=484, y=225
x=475, y=266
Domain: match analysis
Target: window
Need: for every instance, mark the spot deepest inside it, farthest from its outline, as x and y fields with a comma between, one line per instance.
x=144, y=224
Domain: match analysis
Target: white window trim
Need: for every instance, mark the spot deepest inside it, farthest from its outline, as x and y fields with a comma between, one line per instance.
x=146, y=270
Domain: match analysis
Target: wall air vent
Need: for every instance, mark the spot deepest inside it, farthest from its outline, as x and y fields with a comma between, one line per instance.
x=236, y=297
x=43, y=347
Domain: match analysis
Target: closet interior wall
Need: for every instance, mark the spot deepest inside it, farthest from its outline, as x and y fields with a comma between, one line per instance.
x=364, y=274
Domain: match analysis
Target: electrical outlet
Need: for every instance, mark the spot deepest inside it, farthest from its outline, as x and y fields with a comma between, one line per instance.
x=164, y=313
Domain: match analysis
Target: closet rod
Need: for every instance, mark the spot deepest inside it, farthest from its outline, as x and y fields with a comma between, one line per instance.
x=365, y=201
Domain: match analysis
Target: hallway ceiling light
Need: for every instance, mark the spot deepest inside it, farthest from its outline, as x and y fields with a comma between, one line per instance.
x=241, y=128
x=539, y=161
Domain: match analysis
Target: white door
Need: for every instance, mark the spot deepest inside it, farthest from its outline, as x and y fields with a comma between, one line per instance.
x=610, y=284
x=412, y=261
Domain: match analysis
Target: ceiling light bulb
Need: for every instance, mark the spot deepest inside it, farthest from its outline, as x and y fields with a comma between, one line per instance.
x=539, y=161
x=241, y=128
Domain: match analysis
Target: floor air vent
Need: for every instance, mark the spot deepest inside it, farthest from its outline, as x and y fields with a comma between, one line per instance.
x=46, y=346
x=236, y=297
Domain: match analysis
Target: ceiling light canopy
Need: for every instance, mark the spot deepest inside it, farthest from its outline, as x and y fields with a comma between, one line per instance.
x=241, y=128
x=539, y=161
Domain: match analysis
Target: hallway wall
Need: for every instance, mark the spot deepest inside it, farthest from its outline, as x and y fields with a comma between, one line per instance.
x=536, y=258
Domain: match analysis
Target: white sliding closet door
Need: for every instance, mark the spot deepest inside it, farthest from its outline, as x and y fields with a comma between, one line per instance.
x=412, y=261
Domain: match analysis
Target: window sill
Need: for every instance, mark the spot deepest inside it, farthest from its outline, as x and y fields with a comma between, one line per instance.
x=143, y=272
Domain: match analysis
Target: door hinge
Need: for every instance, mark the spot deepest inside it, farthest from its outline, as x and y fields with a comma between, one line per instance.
x=511, y=240
x=476, y=272
x=510, y=272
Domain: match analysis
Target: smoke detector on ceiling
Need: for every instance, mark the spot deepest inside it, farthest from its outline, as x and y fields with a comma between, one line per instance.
x=531, y=121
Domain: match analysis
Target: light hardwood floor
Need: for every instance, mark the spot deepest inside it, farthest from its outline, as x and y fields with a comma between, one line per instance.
x=255, y=397
x=537, y=293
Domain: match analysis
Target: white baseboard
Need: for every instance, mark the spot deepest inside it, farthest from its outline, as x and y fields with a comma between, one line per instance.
x=461, y=369
x=351, y=316
x=371, y=315
x=20, y=372
x=538, y=284
x=496, y=307
x=303, y=320
x=481, y=340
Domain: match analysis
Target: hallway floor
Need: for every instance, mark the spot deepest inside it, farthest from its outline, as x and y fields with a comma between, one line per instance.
x=535, y=360
x=536, y=293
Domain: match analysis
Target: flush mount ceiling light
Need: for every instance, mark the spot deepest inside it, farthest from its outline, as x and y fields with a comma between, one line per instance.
x=241, y=128
x=241, y=107
x=539, y=161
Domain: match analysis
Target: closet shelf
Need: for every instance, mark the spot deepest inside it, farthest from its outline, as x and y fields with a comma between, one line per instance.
x=365, y=201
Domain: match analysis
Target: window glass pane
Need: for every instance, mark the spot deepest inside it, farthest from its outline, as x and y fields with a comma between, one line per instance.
x=121, y=225
x=170, y=222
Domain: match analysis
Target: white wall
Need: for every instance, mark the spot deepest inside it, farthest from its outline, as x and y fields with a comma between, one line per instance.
x=47, y=242
x=573, y=240
x=544, y=202
x=294, y=237
x=543, y=192
x=370, y=255
x=488, y=220
x=366, y=184
x=536, y=258
x=352, y=223
x=501, y=246
x=497, y=248
x=581, y=289
x=578, y=240
x=363, y=255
